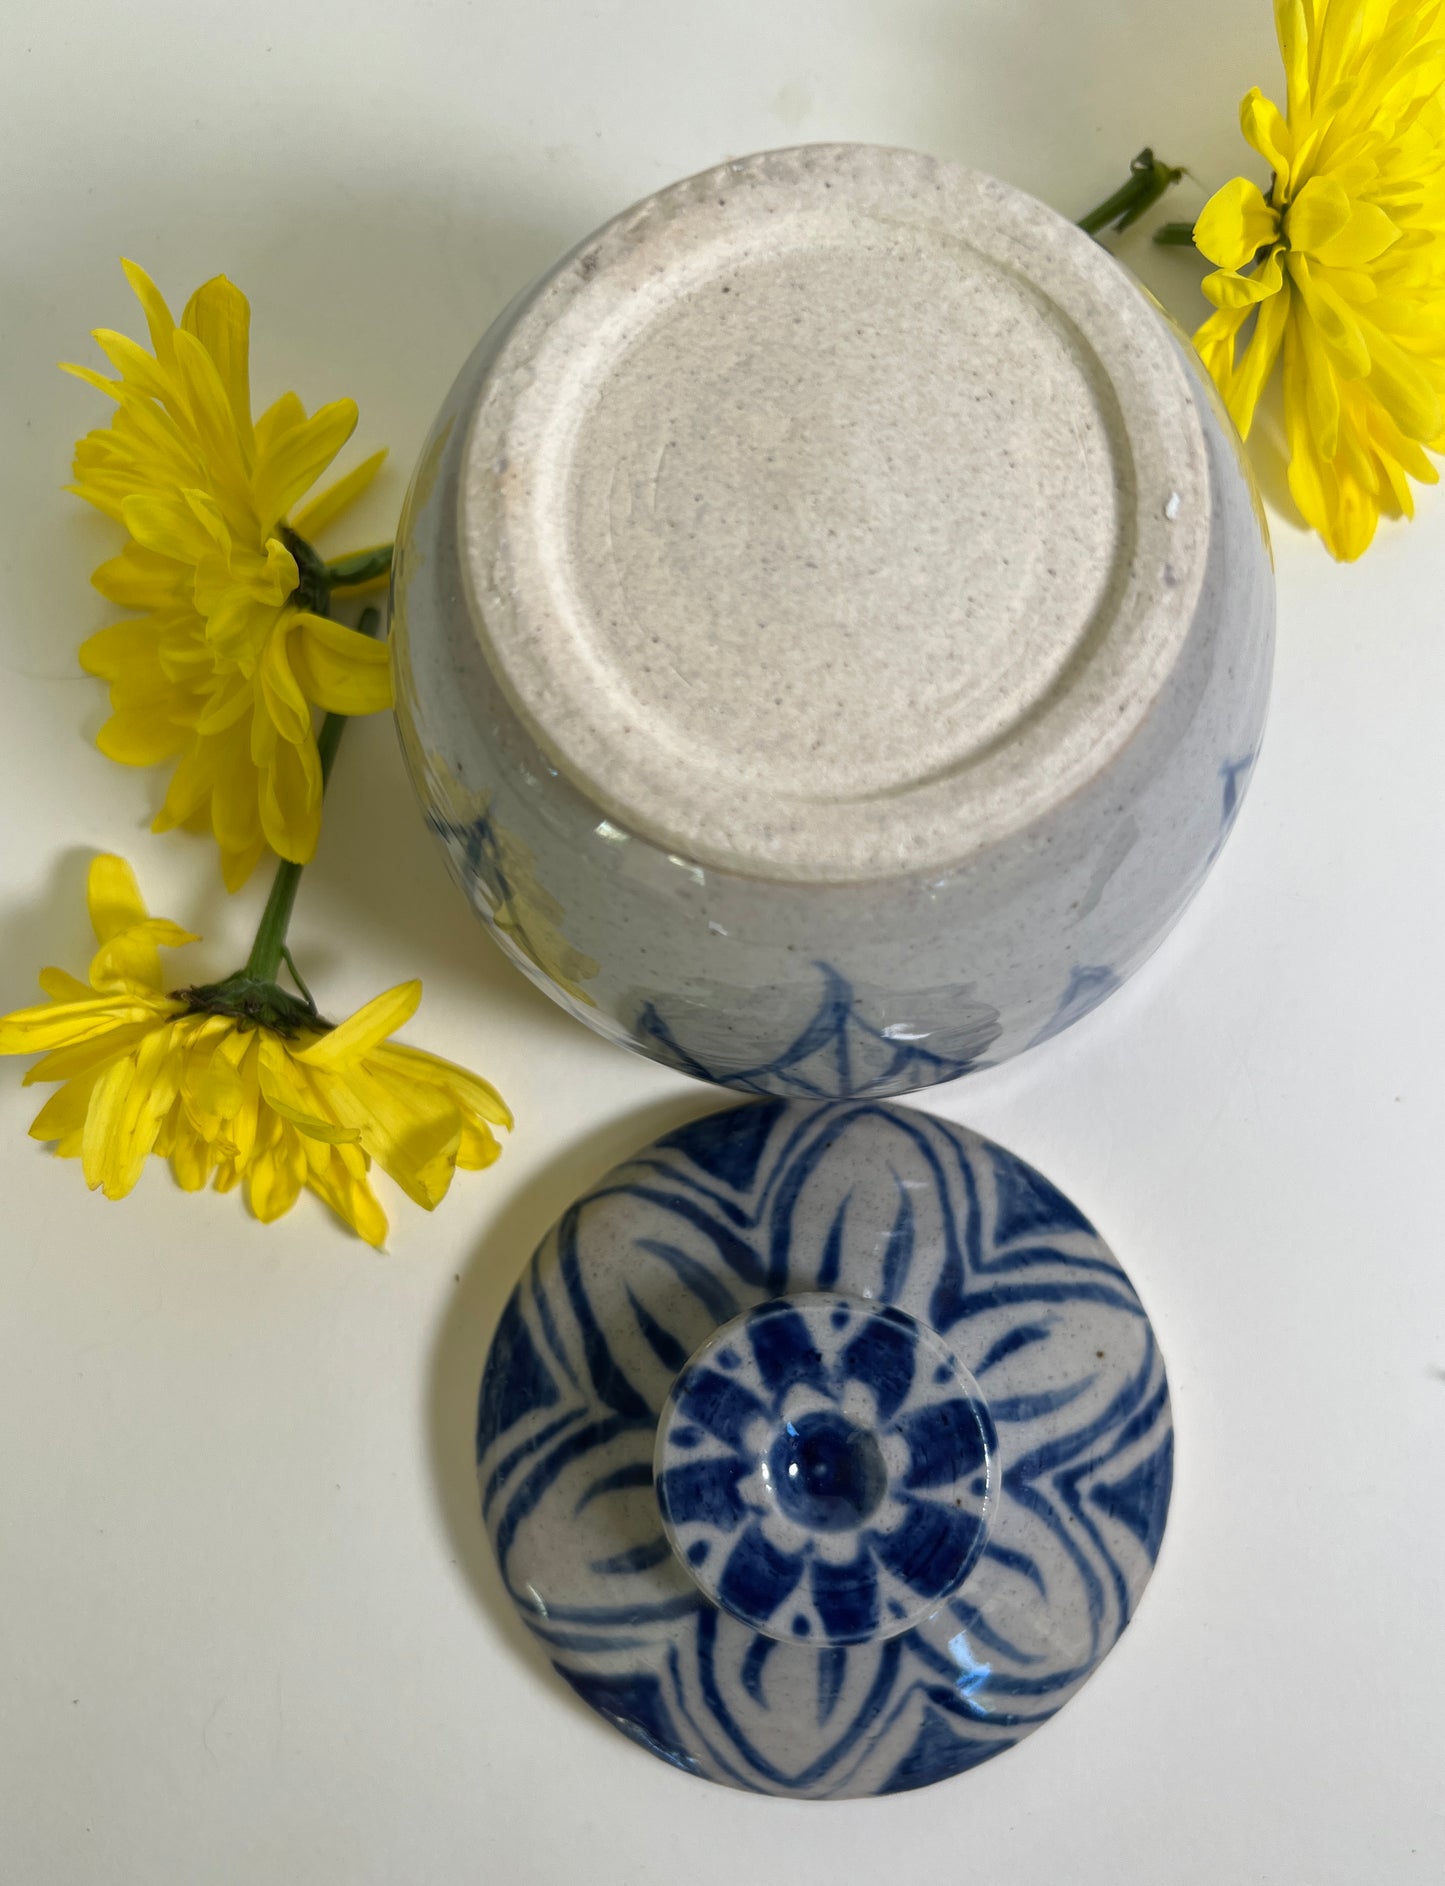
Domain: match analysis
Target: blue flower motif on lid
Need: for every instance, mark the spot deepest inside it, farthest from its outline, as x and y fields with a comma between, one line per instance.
x=889, y=1209
x=824, y=1469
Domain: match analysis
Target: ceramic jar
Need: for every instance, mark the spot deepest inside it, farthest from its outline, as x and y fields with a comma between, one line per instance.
x=832, y=624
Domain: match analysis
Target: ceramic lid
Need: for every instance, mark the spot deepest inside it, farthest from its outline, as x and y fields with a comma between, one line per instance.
x=826, y=1449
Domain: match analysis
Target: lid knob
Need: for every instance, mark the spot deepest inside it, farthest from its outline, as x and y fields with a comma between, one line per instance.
x=825, y=1468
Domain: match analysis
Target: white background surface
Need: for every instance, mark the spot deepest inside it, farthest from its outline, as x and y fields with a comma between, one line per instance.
x=249, y=1630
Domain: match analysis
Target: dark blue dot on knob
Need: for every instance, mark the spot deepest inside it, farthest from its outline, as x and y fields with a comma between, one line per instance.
x=829, y=1475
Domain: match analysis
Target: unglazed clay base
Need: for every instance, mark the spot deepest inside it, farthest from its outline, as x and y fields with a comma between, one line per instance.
x=826, y=518
x=832, y=624
x=826, y=1450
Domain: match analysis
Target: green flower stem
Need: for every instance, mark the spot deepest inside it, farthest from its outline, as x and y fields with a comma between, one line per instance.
x=1175, y=235
x=313, y=581
x=290, y=962
x=1149, y=179
x=265, y=958
x=269, y=947
x=364, y=567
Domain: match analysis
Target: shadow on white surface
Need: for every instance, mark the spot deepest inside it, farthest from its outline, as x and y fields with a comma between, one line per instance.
x=50, y=928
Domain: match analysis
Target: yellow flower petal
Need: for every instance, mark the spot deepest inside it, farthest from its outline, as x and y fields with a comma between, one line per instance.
x=241, y=1121
x=129, y=960
x=113, y=897
x=55, y=1024
x=342, y=1048
x=1291, y=25
x=1317, y=214
x=296, y=459
x=1362, y=238
x=124, y=1116
x=1319, y=392
x=151, y=1094
x=468, y=1089
x=281, y=574
x=274, y=1182
x=135, y=366
x=290, y=795
x=190, y=1159
x=103, y=1123
x=1264, y=127
x=277, y=419
x=1339, y=328
x=233, y=696
x=1402, y=387
x=84, y=1053
x=140, y=579
x=219, y=316
x=65, y=1111
x=352, y=1199
x=340, y=670
x=1235, y=224
x=285, y=703
x=1228, y=290
x=290, y=1095
x=239, y=861
x=191, y=785
x=215, y=1083
x=1340, y=510
x=1254, y=369
x=479, y=1147
x=235, y=806
x=158, y=316
x=169, y=525
x=141, y=736
x=111, y=388
x=327, y=505
x=238, y=629
x=60, y=986
x=413, y=1133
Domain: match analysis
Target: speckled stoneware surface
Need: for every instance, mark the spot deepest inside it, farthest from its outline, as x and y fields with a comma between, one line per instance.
x=825, y=1448
x=833, y=624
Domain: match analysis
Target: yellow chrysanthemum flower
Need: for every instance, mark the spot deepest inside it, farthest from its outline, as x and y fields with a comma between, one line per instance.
x=234, y=649
x=238, y=1082
x=1343, y=264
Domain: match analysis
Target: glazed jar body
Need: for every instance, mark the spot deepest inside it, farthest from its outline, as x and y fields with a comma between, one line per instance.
x=878, y=985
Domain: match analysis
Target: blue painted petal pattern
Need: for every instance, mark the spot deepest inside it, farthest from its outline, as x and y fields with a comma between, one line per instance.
x=705, y=1490
x=925, y=1550
x=722, y=1406
x=757, y=1577
x=882, y=1355
x=836, y=1050
x=944, y=1441
x=784, y=1351
x=782, y=1199
x=847, y=1598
